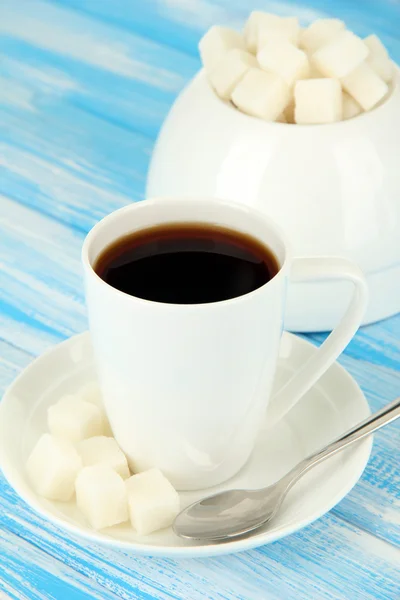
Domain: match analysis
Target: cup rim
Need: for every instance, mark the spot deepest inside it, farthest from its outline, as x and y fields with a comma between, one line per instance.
x=118, y=213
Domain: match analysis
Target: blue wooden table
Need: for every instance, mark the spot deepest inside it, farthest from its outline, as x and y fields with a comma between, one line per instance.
x=84, y=88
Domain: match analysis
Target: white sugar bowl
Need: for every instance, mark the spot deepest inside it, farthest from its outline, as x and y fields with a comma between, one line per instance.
x=334, y=189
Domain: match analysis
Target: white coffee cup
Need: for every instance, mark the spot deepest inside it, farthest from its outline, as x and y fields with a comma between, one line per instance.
x=186, y=387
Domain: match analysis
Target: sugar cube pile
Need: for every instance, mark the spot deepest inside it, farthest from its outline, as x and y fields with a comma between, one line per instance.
x=80, y=457
x=277, y=71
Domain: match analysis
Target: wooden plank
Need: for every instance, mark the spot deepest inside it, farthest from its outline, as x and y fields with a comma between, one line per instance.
x=40, y=280
x=174, y=23
x=56, y=52
x=8, y=593
x=324, y=560
x=37, y=79
x=374, y=504
x=58, y=179
x=78, y=37
x=378, y=343
x=28, y=572
x=181, y=24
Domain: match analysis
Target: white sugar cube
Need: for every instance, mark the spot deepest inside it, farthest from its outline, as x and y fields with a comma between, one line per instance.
x=153, y=502
x=320, y=33
x=318, y=101
x=75, y=420
x=91, y=393
x=351, y=108
x=382, y=67
x=101, y=496
x=216, y=42
x=261, y=94
x=229, y=71
x=365, y=86
x=292, y=28
x=314, y=73
x=375, y=46
x=286, y=28
x=254, y=23
x=105, y=451
x=378, y=58
x=341, y=56
x=53, y=466
x=284, y=59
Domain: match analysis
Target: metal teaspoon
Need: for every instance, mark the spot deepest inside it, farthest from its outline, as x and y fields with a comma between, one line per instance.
x=236, y=512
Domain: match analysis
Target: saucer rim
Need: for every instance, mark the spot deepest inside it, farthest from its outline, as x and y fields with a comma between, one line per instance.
x=253, y=540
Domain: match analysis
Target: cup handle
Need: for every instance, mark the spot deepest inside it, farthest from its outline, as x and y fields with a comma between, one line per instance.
x=312, y=269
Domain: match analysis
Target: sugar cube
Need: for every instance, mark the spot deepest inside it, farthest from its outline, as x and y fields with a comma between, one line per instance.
x=91, y=393
x=378, y=58
x=314, y=73
x=261, y=94
x=318, y=101
x=105, y=451
x=340, y=56
x=286, y=28
x=284, y=59
x=75, y=420
x=289, y=111
x=101, y=496
x=320, y=33
x=375, y=46
x=215, y=42
x=351, y=108
x=292, y=28
x=229, y=71
x=257, y=20
x=365, y=86
x=53, y=466
x=153, y=502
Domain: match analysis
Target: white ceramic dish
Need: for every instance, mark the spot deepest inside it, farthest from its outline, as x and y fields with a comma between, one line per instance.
x=334, y=189
x=331, y=407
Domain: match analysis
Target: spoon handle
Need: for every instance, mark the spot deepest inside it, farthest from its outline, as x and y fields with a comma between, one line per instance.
x=383, y=417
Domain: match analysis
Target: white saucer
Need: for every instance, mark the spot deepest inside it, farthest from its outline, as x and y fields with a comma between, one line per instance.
x=329, y=408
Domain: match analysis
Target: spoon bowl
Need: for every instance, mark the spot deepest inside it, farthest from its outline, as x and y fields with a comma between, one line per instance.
x=220, y=516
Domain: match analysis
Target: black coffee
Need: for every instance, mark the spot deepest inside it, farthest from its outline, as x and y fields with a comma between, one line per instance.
x=186, y=264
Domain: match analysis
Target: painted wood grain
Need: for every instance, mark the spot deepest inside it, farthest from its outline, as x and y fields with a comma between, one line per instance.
x=331, y=558
x=99, y=67
x=43, y=77
x=37, y=576
x=374, y=504
x=180, y=23
x=379, y=343
x=90, y=42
